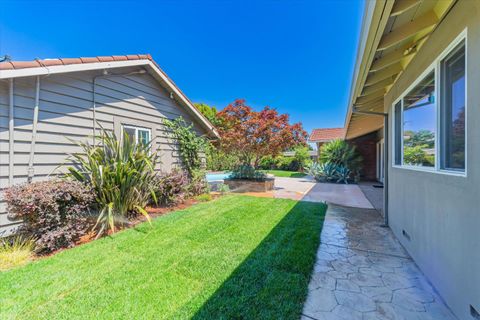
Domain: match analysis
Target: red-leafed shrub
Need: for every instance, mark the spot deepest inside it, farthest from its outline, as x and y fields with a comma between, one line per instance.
x=171, y=188
x=54, y=212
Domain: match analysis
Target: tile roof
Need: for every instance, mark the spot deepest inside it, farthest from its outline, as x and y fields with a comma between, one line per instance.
x=326, y=134
x=14, y=65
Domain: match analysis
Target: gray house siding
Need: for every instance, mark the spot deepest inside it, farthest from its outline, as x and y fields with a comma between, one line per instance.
x=66, y=114
x=440, y=212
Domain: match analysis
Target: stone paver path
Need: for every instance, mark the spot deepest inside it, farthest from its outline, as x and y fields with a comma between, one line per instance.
x=362, y=272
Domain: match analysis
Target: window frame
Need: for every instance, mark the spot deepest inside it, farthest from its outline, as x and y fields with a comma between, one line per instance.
x=137, y=129
x=436, y=67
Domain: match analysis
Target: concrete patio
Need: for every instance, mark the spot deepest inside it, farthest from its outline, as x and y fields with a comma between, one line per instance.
x=362, y=272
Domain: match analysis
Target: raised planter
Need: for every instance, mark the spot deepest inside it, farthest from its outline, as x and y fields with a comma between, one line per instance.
x=239, y=185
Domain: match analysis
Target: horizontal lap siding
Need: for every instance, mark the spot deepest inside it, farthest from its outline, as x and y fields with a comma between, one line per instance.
x=66, y=116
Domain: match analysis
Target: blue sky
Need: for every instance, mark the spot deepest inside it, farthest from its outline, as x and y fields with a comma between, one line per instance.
x=296, y=56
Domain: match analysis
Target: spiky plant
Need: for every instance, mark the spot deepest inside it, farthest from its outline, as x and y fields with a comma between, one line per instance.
x=122, y=174
x=341, y=153
x=15, y=251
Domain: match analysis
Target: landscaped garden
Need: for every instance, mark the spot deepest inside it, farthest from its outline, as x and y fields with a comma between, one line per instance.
x=207, y=262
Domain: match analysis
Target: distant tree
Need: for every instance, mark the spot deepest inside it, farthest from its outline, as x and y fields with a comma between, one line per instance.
x=253, y=135
x=210, y=112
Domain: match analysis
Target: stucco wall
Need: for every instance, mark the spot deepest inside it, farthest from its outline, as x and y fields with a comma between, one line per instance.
x=65, y=115
x=441, y=212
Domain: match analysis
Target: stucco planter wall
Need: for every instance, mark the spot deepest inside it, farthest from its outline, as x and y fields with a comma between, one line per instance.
x=237, y=185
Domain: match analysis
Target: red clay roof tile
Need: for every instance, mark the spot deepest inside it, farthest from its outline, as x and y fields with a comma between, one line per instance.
x=326, y=134
x=6, y=66
x=11, y=65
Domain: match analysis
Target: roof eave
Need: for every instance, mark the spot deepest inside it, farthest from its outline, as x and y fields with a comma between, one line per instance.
x=151, y=65
x=373, y=24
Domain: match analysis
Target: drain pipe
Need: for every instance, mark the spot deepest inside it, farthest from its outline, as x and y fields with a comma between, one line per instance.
x=11, y=128
x=31, y=169
x=385, y=158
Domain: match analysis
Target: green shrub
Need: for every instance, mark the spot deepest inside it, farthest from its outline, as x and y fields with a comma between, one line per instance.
x=191, y=146
x=15, y=251
x=339, y=152
x=121, y=172
x=302, y=157
x=218, y=160
x=287, y=163
x=198, y=183
x=247, y=172
x=171, y=188
x=54, y=212
x=223, y=188
x=267, y=163
x=204, y=197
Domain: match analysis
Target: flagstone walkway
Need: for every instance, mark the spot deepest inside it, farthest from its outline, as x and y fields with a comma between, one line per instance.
x=362, y=272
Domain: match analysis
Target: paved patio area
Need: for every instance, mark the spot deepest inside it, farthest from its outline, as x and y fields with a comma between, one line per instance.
x=362, y=272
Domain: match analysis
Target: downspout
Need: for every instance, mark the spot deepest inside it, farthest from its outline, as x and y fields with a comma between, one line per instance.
x=385, y=158
x=31, y=169
x=11, y=128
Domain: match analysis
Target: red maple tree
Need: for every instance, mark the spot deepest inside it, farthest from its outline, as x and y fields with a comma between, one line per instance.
x=252, y=135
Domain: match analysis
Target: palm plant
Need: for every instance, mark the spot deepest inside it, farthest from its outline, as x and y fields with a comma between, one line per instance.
x=341, y=153
x=122, y=174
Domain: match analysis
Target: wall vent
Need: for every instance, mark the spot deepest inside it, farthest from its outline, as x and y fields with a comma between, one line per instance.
x=475, y=314
x=406, y=235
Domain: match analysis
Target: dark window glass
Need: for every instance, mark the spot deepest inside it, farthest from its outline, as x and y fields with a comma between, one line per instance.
x=453, y=110
x=398, y=133
x=129, y=133
x=419, y=123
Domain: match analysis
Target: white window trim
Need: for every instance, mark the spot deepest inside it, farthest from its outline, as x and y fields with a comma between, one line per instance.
x=436, y=67
x=137, y=128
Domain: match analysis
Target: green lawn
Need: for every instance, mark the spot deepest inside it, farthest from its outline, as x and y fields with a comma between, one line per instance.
x=286, y=174
x=235, y=257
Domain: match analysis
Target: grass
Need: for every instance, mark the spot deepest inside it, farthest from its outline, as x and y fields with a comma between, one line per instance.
x=15, y=252
x=286, y=174
x=235, y=257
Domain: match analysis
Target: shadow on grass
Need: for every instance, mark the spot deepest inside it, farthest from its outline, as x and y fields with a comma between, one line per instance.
x=272, y=282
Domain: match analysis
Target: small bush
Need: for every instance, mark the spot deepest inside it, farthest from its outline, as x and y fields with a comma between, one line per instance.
x=247, y=172
x=204, y=197
x=55, y=212
x=223, y=188
x=15, y=251
x=267, y=163
x=171, y=188
x=198, y=183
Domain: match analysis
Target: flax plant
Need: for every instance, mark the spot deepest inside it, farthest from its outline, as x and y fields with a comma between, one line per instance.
x=122, y=174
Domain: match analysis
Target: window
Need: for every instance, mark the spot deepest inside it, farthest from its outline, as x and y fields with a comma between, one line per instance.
x=419, y=122
x=137, y=134
x=453, y=110
x=430, y=134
